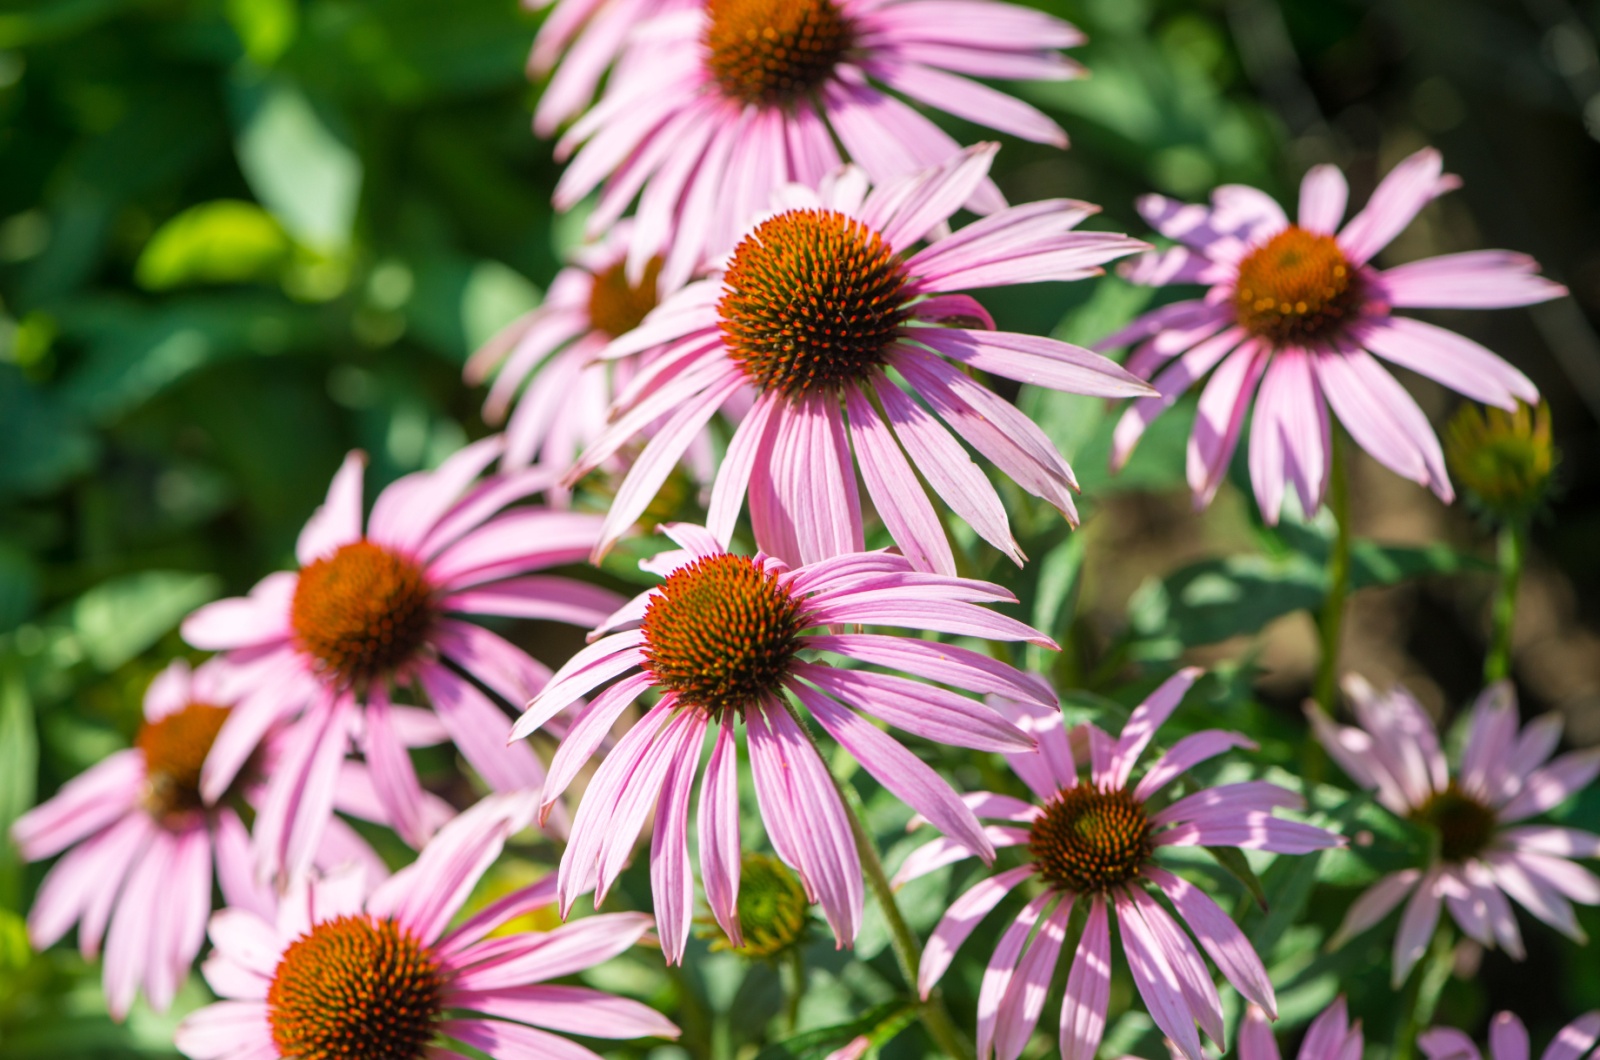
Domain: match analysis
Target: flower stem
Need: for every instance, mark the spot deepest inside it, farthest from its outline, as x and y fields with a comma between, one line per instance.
x=795, y=961
x=1332, y=621
x=935, y=1018
x=1422, y=995
x=1512, y=553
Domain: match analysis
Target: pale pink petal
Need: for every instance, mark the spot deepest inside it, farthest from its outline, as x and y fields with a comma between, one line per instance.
x=1383, y=419
x=1508, y=1038
x=496, y=914
x=501, y=1039
x=1034, y=359
x=1447, y=1043
x=131, y=959
x=1553, y=785
x=223, y=1029
x=794, y=789
x=1218, y=418
x=1221, y=937
x=1024, y=998
x=531, y=957
x=1400, y=196
x=1188, y=752
x=1448, y=358
x=930, y=857
x=1083, y=1007
x=1416, y=927
x=901, y=772
x=719, y=833
x=1575, y=1039
x=538, y=596
x=1374, y=904
x=569, y=1009
x=1289, y=440
x=1323, y=195
x=895, y=490
x=1255, y=1037
x=927, y=711
x=480, y=730
x=407, y=512
x=1157, y=982
x=591, y=666
x=733, y=476
x=1142, y=724
x=671, y=881
x=244, y=621
x=1003, y=966
x=300, y=792
x=588, y=732
x=393, y=775
x=1194, y=980
x=1478, y=279
x=932, y=661
x=1173, y=382
x=338, y=521
x=85, y=804
x=960, y=920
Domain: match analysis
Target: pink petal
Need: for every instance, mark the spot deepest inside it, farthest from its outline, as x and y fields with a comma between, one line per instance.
x=1289, y=441
x=974, y=101
x=583, y=740
x=930, y=712
x=895, y=490
x=244, y=621
x=1173, y=382
x=393, y=774
x=719, y=833
x=338, y=521
x=1034, y=359
x=408, y=510
x=1383, y=418
x=1323, y=195
x=538, y=596
x=496, y=914
x=1142, y=724
x=1374, y=904
x=1575, y=1039
x=1024, y=998
x=569, y=1009
x=1002, y=967
x=1158, y=984
x=501, y=1039
x=1235, y=956
x=1188, y=752
x=1450, y=359
x=590, y=667
x=1416, y=927
x=932, y=661
x=1400, y=196
x=531, y=957
x=1083, y=1007
x=1479, y=279
x=733, y=477
x=935, y=855
x=671, y=882
x=1218, y=418
x=480, y=730
x=223, y=1029
x=795, y=790
x=960, y=920
x=300, y=793
x=86, y=804
x=1508, y=1038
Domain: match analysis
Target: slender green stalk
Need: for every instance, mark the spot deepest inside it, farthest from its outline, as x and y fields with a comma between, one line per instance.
x=1422, y=993
x=1332, y=621
x=795, y=961
x=907, y=950
x=1512, y=552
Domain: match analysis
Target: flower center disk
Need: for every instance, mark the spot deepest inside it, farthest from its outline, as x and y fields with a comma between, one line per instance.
x=175, y=749
x=616, y=306
x=1296, y=288
x=811, y=301
x=1464, y=824
x=774, y=51
x=720, y=632
x=1088, y=839
x=362, y=611
x=355, y=987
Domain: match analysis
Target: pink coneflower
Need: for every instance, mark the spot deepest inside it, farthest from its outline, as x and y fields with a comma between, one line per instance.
x=1301, y=311
x=1508, y=1040
x=145, y=843
x=814, y=306
x=1098, y=841
x=335, y=972
x=549, y=355
x=722, y=105
x=371, y=613
x=721, y=641
x=1504, y=777
x=1331, y=1036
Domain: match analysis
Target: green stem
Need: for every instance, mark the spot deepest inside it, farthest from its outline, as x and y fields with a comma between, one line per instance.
x=1422, y=994
x=1513, y=551
x=795, y=961
x=935, y=1018
x=1332, y=621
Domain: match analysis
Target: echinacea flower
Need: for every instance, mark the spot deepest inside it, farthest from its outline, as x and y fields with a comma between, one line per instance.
x=545, y=361
x=721, y=642
x=1508, y=1040
x=1299, y=309
x=813, y=309
x=717, y=107
x=372, y=612
x=1505, y=777
x=145, y=843
x=336, y=972
x=1097, y=840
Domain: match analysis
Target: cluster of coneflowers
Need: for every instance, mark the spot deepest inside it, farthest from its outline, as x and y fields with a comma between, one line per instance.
x=776, y=310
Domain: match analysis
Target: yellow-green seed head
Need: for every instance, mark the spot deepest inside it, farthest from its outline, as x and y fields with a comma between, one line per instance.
x=1502, y=460
x=773, y=911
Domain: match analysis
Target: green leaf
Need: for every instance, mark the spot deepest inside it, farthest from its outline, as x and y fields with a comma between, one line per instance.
x=878, y=1025
x=44, y=445
x=19, y=765
x=304, y=173
x=118, y=619
x=1233, y=860
x=266, y=28
x=223, y=241
x=1216, y=599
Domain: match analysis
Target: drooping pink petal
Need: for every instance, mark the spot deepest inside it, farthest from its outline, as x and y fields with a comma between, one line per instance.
x=1194, y=980
x=719, y=833
x=1221, y=937
x=927, y=711
x=85, y=804
x=671, y=881
x=1289, y=440
x=794, y=787
x=1083, y=1007
x=569, y=1009
x=1024, y=998
x=1157, y=982
x=1383, y=419
x=479, y=730
x=1033, y=359
x=1416, y=926
x=499, y=1038
x=1003, y=966
x=1218, y=418
x=300, y=792
x=895, y=490
x=960, y=920
x=588, y=732
x=1448, y=358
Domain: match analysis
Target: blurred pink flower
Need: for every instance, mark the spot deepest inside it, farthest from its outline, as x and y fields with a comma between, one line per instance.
x=1331, y=1036
x=1098, y=841
x=1505, y=777
x=1301, y=311
x=813, y=307
x=718, y=106
x=336, y=971
x=144, y=842
x=1508, y=1040
x=549, y=356
x=720, y=640
x=370, y=612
